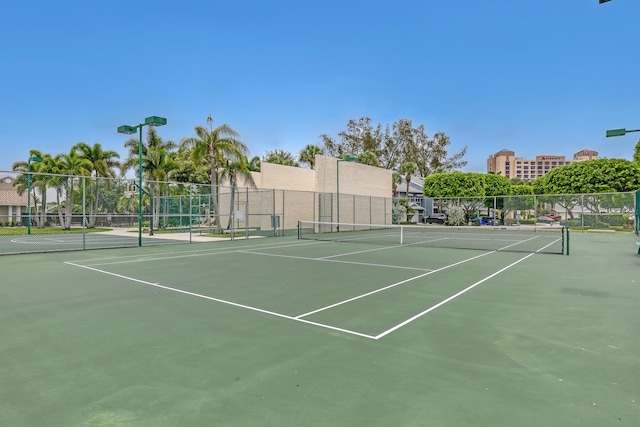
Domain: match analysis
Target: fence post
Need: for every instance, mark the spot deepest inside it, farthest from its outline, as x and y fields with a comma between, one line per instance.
x=84, y=217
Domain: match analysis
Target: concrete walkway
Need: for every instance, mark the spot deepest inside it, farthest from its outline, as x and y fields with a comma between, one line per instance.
x=184, y=236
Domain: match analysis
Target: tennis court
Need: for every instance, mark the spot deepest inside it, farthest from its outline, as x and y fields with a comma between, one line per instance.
x=287, y=331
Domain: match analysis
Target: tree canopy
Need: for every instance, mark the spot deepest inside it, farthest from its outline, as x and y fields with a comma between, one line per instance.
x=394, y=145
x=591, y=176
x=454, y=184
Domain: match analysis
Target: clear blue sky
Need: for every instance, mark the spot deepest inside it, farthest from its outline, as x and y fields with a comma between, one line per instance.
x=537, y=77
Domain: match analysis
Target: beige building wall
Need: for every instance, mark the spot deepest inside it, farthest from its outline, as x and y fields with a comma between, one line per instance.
x=583, y=155
x=351, y=178
x=365, y=193
x=497, y=163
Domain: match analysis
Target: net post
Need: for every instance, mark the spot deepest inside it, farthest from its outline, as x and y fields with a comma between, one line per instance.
x=568, y=234
x=401, y=235
x=298, y=230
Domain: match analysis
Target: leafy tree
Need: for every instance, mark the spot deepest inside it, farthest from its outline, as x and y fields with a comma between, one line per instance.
x=636, y=153
x=591, y=176
x=190, y=170
x=368, y=158
x=308, y=155
x=394, y=145
x=217, y=145
x=451, y=185
x=521, y=199
x=495, y=188
x=280, y=157
x=520, y=181
x=432, y=157
x=456, y=215
x=456, y=187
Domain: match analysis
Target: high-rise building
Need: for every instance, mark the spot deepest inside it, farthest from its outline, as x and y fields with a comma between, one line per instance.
x=505, y=163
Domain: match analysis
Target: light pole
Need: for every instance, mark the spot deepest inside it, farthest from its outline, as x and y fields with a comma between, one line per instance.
x=128, y=130
x=622, y=132
x=35, y=159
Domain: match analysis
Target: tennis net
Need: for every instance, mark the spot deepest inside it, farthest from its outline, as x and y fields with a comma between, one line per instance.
x=548, y=239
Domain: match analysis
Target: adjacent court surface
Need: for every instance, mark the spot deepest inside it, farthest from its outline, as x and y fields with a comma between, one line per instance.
x=287, y=332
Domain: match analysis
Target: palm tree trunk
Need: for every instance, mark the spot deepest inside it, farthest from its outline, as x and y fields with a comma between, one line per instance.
x=68, y=209
x=152, y=192
x=93, y=206
x=156, y=221
x=408, y=178
x=43, y=210
x=232, y=202
x=60, y=217
x=214, y=190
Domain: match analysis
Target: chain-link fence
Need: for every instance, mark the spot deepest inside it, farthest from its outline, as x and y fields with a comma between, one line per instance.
x=80, y=212
x=580, y=212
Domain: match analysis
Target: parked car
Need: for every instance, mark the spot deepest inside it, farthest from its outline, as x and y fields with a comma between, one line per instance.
x=439, y=218
x=485, y=220
x=545, y=219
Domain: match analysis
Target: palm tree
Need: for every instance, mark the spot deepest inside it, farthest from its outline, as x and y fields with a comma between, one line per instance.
x=155, y=153
x=153, y=141
x=103, y=164
x=216, y=145
x=157, y=165
x=232, y=171
x=396, y=179
x=308, y=155
x=280, y=157
x=38, y=183
x=129, y=206
x=408, y=168
x=254, y=164
x=72, y=165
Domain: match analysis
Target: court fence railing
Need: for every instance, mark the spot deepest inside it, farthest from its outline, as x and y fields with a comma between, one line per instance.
x=104, y=212
x=87, y=212
x=579, y=212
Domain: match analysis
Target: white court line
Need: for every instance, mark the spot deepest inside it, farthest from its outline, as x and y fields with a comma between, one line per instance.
x=247, y=307
x=194, y=251
x=190, y=254
x=452, y=297
x=517, y=243
x=381, y=249
x=393, y=285
x=335, y=260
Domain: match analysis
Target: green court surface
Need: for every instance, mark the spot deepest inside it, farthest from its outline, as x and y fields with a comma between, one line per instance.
x=286, y=332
